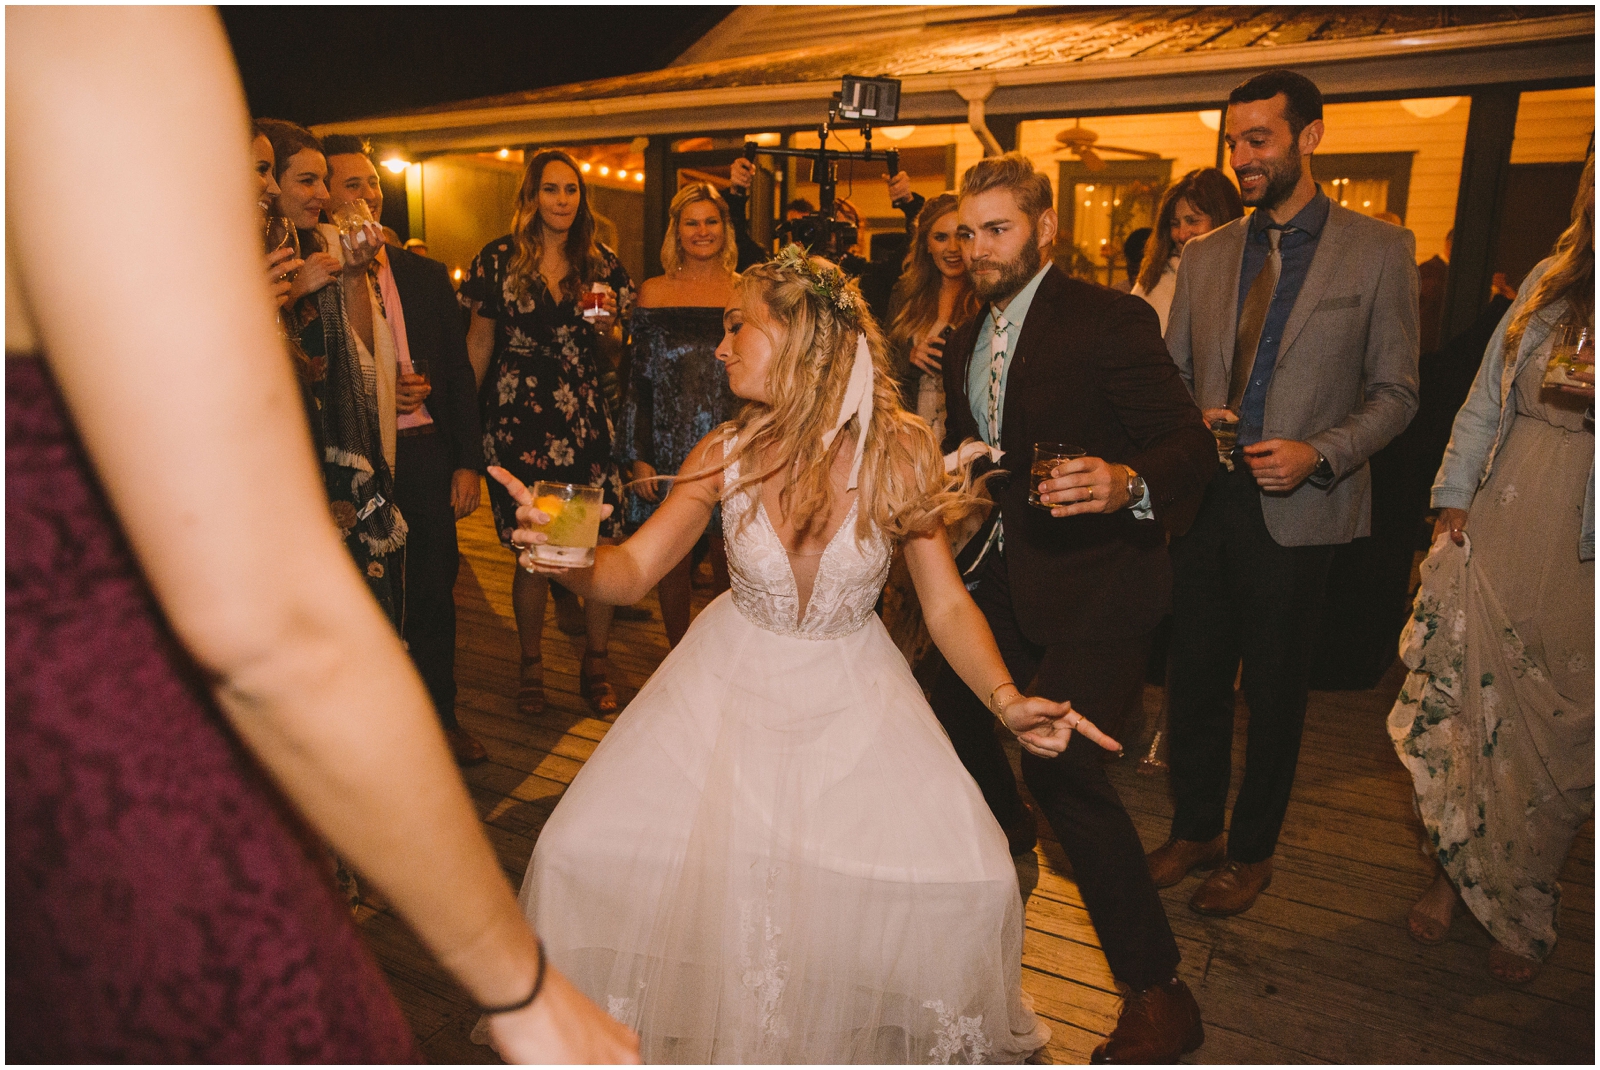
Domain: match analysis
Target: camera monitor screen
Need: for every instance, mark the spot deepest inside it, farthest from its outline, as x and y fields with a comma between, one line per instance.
x=869, y=100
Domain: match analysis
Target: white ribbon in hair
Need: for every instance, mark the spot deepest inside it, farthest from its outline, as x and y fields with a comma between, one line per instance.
x=857, y=401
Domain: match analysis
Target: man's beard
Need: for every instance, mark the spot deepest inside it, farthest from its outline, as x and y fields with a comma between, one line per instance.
x=1282, y=178
x=1014, y=274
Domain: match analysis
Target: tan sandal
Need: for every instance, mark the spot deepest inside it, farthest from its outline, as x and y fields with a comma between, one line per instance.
x=594, y=687
x=530, y=689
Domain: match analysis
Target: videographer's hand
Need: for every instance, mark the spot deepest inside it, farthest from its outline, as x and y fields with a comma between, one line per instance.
x=741, y=175
x=899, y=188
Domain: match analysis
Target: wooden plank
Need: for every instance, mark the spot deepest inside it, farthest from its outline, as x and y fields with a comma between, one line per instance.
x=1320, y=969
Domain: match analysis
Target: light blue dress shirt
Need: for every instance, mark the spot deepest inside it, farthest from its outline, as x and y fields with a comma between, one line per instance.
x=978, y=370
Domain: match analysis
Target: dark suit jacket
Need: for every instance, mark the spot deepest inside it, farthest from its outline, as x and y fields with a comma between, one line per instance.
x=1090, y=369
x=1433, y=277
x=438, y=343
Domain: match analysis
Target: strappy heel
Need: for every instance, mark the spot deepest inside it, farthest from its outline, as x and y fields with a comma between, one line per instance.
x=530, y=689
x=593, y=685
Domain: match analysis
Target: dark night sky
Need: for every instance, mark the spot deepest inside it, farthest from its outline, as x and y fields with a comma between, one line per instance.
x=319, y=64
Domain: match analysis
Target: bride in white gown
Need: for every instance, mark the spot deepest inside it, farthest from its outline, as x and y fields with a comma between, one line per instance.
x=775, y=854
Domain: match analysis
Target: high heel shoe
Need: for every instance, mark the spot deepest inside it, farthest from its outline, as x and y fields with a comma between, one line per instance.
x=530, y=689
x=593, y=686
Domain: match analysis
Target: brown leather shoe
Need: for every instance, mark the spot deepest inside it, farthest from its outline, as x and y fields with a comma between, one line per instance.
x=1232, y=889
x=1176, y=859
x=1155, y=1026
x=463, y=747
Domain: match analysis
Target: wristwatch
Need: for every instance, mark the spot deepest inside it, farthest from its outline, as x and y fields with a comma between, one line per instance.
x=1136, y=487
x=1322, y=475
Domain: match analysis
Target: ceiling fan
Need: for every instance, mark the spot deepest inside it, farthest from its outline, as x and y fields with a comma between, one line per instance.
x=1080, y=141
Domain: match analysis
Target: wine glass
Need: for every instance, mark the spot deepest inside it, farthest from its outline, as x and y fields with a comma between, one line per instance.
x=1572, y=349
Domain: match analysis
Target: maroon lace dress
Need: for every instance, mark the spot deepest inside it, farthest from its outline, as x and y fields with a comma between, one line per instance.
x=161, y=901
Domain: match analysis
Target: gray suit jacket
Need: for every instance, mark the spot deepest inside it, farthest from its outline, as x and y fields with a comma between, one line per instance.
x=1346, y=376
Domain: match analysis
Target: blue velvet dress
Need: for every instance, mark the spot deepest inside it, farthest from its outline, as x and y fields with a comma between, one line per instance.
x=676, y=392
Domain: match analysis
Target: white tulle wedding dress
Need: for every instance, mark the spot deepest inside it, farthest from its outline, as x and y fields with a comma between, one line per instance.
x=775, y=854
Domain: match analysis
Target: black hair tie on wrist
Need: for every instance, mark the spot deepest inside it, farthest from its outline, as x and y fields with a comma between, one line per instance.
x=538, y=985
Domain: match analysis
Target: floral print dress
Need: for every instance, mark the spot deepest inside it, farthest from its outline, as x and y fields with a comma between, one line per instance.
x=1496, y=720
x=545, y=415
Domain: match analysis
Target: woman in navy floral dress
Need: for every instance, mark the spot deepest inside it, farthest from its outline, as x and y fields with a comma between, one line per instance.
x=539, y=364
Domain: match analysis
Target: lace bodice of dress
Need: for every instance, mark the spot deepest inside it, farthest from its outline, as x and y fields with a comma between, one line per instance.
x=850, y=574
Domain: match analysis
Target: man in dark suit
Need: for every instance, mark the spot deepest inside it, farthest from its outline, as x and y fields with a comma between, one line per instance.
x=439, y=448
x=1073, y=591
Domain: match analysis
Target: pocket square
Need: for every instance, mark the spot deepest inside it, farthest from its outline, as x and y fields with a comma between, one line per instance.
x=1332, y=304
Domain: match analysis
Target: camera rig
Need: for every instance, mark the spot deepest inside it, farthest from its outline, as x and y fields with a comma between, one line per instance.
x=868, y=102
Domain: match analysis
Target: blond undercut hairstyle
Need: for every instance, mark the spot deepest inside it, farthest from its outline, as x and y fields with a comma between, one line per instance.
x=1014, y=172
x=672, y=251
x=814, y=315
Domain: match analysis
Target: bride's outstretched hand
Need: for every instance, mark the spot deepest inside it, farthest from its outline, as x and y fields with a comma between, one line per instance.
x=1044, y=727
x=529, y=516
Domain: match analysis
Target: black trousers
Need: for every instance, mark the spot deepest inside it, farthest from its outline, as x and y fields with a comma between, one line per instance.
x=1239, y=596
x=428, y=608
x=1077, y=798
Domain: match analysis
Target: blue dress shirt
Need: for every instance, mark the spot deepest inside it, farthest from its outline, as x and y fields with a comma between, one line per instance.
x=1297, y=246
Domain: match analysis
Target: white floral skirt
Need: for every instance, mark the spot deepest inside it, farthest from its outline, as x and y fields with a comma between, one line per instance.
x=776, y=856
x=1496, y=720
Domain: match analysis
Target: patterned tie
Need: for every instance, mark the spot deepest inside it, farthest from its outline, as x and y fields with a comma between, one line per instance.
x=997, y=366
x=1252, y=318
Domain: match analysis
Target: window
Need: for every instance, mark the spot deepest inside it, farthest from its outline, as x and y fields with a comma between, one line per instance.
x=1100, y=208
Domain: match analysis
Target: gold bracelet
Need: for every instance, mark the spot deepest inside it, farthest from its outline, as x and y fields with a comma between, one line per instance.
x=994, y=709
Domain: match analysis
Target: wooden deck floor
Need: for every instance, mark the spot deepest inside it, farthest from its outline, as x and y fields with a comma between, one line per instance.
x=1321, y=970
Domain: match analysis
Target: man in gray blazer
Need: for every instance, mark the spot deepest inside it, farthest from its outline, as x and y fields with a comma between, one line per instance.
x=1296, y=330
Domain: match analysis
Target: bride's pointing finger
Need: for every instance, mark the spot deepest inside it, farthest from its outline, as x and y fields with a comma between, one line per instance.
x=514, y=486
x=1085, y=727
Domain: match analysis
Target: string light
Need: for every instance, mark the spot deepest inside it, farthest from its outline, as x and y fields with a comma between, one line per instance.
x=584, y=168
x=604, y=170
x=638, y=176
x=504, y=154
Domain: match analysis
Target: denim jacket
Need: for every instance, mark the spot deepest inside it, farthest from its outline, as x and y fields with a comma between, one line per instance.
x=1484, y=420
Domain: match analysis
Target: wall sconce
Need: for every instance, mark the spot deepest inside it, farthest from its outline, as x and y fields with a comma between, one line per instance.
x=395, y=164
x=1211, y=120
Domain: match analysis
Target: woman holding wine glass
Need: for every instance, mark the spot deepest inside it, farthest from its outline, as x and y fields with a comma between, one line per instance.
x=1496, y=720
x=546, y=301
x=283, y=257
x=346, y=359
x=676, y=390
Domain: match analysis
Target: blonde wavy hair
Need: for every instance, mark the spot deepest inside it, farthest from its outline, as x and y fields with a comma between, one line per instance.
x=1571, y=277
x=583, y=251
x=813, y=315
x=672, y=251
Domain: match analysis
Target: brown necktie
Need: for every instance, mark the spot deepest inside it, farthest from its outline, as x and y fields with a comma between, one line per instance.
x=1252, y=318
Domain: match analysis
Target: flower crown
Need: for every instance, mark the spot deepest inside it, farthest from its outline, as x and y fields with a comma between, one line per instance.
x=831, y=284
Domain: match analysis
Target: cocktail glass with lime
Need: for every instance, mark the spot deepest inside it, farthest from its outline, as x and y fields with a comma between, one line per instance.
x=574, y=526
